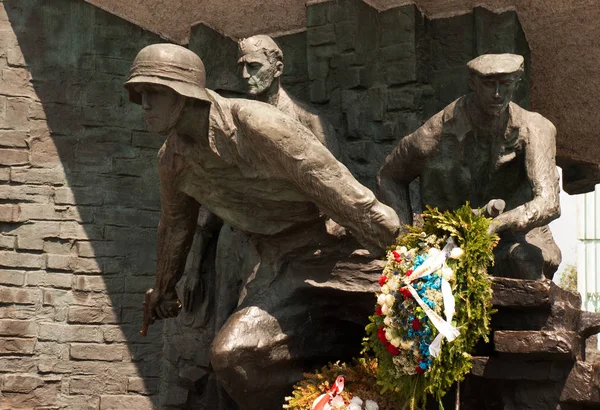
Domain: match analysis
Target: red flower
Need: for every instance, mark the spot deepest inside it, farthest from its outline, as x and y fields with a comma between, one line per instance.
x=382, y=280
x=405, y=292
x=409, y=272
x=416, y=324
x=397, y=257
x=381, y=335
x=378, y=311
x=393, y=349
x=419, y=370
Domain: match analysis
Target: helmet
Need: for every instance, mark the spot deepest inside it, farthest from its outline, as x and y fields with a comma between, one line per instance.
x=170, y=65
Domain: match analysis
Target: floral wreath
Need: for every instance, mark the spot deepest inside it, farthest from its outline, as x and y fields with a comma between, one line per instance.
x=433, y=305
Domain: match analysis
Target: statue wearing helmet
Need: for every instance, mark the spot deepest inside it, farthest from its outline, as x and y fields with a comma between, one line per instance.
x=266, y=174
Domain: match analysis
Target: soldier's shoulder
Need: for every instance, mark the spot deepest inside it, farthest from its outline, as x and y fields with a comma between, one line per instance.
x=531, y=120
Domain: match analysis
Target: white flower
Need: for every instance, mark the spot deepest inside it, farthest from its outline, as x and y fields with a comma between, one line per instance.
x=387, y=321
x=385, y=309
x=447, y=273
x=403, y=250
x=385, y=289
x=353, y=406
x=389, y=300
x=393, y=283
x=337, y=402
x=456, y=253
x=356, y=400
x=388, y=335
x=433, y=251
x=371, y=405
x=381, y=299
x=396, y=342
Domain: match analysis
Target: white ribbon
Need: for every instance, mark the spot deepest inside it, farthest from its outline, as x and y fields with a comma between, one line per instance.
x=445, y=329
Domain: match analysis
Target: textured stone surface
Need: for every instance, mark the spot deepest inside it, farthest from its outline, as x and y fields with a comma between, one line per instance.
x=550, y=345
x=583, y=384
x=75, y=167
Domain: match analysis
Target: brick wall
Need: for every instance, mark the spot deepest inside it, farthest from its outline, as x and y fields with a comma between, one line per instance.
x=78, y=211
x=379, y=75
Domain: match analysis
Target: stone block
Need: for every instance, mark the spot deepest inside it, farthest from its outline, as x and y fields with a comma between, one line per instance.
x=59, y=246
x=69, y=333
x=118, y=216
x=20, y=383
x=403, y=98
x=54, y=280
x=517, y=293
x=97, y=283
x=515, y=369
x=7, y=241
x=21, y=260
x=316, y=14
x=583, y=384
x=145, y=386
x=20, y=312
x=318, y=68
x=398, y=25
x=20, y=296
x=13, y=139
x=318, y=36
x=18, y=364
x=11, y=157
x=16, y=346
x=452, y=41
x=38, y=176
x=19, y=328
x=551, y=345
x=20, y=193
x=4, y=174
x=73, y=264
x=43, y=150
x=96, y=385
x=119, y=402
x=348, y=77
x=85, y=315
x=346, y=33
x=102, y=352
x=36, y=111
x=9, y=213
x=131, y=333
x=16, y=82
x=77, y=196
x=398, y=52
x=15, y=116
x=401, y=72
x=10, y=277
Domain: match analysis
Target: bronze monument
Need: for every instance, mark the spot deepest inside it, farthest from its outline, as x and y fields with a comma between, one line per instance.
x=487, y=150
x=268, y=175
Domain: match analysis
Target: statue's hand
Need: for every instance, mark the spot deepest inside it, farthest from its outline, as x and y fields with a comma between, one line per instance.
x=187, y=288
x=494, y=208
x=164, y=306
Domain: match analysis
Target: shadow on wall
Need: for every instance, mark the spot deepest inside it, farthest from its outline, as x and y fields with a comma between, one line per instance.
x=88, y=204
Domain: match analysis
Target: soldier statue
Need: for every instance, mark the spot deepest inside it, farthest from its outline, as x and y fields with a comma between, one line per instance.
x=266, y=174
x=487, y=150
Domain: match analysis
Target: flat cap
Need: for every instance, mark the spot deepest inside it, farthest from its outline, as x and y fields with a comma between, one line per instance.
x=491, y=64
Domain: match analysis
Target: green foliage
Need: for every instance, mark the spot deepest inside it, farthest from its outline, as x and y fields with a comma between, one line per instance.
x=473, y=293
x=568, y=279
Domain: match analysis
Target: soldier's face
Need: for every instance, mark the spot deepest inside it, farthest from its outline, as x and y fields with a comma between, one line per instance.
x=493, y=93
x=162, y=106
x=258, y=72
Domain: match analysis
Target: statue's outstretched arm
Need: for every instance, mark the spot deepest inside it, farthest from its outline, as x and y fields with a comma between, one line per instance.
x=404, y=164
x=292, y=151
x=540, y=163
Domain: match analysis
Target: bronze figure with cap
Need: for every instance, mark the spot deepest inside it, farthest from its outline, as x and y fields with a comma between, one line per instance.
x=487, y=150
x=268, y=175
